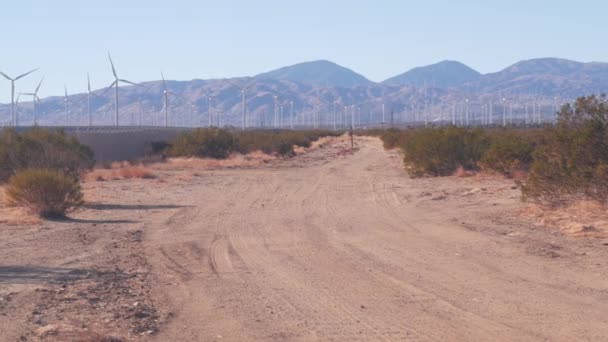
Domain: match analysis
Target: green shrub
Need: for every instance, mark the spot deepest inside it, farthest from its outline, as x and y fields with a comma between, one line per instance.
x=47, y=193
x=42, y=149
x=204, y=143
x=573, y=163
x=510, y=151
x=392, y=138
x=441, y=151
x=219, y=143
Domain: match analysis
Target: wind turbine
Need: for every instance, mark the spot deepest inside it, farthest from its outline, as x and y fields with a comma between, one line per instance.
x=115, y=85
x=89, y=93
x=166, y=99
x=34, y=99
x=244, y=100
x=13, y=80
x=66, y=102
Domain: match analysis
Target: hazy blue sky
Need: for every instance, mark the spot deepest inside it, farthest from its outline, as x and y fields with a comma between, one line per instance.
x=202, y=39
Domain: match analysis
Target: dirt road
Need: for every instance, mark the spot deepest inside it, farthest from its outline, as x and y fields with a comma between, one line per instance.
x=350, y=248
x=326, y=246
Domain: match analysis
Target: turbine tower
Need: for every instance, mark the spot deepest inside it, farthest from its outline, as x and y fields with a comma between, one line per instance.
x=13, y=80
x=89, y=93
x=244, y=101
x=166, y=99
x=115, y=85
x=35, y=98
x=66, y=103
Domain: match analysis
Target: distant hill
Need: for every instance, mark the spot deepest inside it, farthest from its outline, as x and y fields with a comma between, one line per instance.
x=314, y=87
x=322, y=72
x=545, y=76
x=443, y=74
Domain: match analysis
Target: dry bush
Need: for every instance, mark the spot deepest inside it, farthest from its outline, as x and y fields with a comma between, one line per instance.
x=462, y=173
x=440, y=151
x=510, y=151
x=235, y=160
x=120, y=171
x=580, y=218
x=135, y=172
x=573, y=162
x=47, y=193
x=204, y=143
x=38, y=148
x=221, y=143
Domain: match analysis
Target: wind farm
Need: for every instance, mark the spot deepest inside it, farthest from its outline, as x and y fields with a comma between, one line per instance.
x=303, y=171
x=312, y=105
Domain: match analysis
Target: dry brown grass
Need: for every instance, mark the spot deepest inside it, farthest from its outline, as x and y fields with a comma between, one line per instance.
x=583, y=218
x=320, y=143
x=15, y=216
x=462, y=173
x=119, y=171
x=234, y=161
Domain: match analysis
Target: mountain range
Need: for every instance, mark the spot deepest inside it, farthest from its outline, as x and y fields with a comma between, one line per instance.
x=319, y=86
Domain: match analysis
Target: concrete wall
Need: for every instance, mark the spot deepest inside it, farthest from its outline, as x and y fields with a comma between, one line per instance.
x=122, y=144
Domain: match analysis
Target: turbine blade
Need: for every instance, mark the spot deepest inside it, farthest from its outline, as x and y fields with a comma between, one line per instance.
x=235, y=85
x=39, y=84
x=164, y=83
x=88, y=82
x=108, y=88
x=6, y=76
x=27, y=73
x=251, y=84
x=112, y=64
x=129, y=82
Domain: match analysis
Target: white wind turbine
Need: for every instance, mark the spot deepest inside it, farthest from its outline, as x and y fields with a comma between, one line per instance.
x=35, y=98
x=66, y=102
x=13, y=80
x=244, y=101
x=166, y=94
x=115, y=84
x=89, y=94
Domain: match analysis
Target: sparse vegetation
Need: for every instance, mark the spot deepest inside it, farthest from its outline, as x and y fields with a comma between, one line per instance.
x=510, y=151
x=42, y=149
x=573, y=162
x=120, y=171
x=441, y=151
x=44, y=192
x=220, y=143
x=566, y=162
x=204, y=143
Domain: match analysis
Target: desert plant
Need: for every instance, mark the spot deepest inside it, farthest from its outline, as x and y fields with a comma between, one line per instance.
x=45, y=192
x=441, y=151
x=204, y=143
x=510, y=151
x=42, y=148
x=573, y=162
x=220, y=143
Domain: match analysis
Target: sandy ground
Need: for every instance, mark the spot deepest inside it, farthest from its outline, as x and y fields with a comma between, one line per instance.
x=326, y=246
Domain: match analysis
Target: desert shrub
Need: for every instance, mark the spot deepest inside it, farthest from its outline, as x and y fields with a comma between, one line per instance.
x=393, y=138
x=220, y=143
x=45, y=192
x=573, y=162
x=204, y=143
x=510, y=151
x=280, y=142
x=42, y=149
x=441, y=151
x=135, y=172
